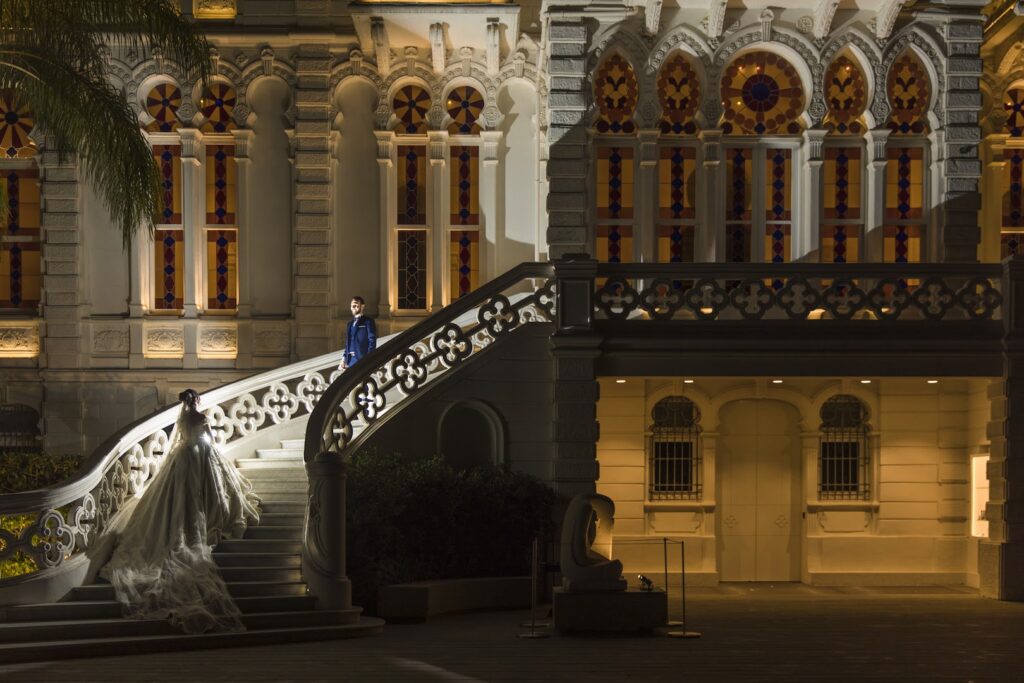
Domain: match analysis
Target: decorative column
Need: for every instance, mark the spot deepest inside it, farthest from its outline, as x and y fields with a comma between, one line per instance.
x=243, y=137
x=388, y=207
x=807, y=230
x=323, y=549
x=575, y=347
x=711, y=208
x=960, y=199
x=567, y=168
x=992, y=210
x=874, y=209
x=437, y=217
x=645, y=240
x=312, y=200
x=1001, y=556
x=491, y=218
x=193, y=220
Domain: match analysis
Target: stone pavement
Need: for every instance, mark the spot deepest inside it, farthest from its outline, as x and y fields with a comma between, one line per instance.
x=751, y=632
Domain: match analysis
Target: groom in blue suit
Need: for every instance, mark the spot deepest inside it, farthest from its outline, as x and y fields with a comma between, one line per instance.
x=360, y=336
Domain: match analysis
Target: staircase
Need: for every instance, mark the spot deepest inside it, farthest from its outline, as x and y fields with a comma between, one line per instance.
x=262, y=571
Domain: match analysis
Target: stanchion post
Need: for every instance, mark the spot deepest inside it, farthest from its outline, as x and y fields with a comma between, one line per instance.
x=534, y=562
x=682, y=585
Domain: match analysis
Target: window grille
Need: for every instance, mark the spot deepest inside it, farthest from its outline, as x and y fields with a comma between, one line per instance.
x=675, y=467
x=18, y=428
x=844, y=456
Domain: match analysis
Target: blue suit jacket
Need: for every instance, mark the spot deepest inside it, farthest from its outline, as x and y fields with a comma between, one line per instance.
x=360, y=338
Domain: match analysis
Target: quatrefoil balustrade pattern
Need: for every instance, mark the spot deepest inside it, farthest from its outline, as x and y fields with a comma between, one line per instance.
x=879, y=292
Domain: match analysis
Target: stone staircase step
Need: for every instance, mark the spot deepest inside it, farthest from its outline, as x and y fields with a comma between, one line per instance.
x=291, y=532
x=257, y=573
x=290, y=506
x=281, y=519
x=262, y=545
x=293, y=444
x=249, y=464
x=259, y=475
x=290, y=496
x=98, y=592
x=293, y=487
x=108, y=609
x=73, y=629
x=269, y=560
x=97, y=647
x=285, y=454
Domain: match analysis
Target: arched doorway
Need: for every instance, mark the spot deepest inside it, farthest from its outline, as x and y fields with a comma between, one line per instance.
x=470, y=435
x=759, y=481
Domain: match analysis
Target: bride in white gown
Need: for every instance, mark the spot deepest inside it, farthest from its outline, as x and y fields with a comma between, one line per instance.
x=162, y=566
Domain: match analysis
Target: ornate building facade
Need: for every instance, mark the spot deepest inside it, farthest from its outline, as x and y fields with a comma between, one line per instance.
x=413, y=152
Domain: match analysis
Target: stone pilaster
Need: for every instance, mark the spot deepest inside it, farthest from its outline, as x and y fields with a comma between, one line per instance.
x=807, y=234
x=710, y=185
x=645, y=237
x=243, y=140
x=567, y=198
x=874, y=203
x=62, y=307
x=311, y=290
x=961, y=167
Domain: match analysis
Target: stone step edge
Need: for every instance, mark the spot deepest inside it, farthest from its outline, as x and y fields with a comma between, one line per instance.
x=250, y=616
x=98, y=647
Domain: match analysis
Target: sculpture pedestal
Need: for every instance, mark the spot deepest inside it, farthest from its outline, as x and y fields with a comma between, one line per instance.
x=632, y=610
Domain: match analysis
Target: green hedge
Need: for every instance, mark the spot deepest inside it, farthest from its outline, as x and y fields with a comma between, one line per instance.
x=416, y=519
x=28, y=471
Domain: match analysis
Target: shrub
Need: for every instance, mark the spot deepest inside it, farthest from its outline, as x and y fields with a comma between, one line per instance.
x=416, y=519
x=28, y=471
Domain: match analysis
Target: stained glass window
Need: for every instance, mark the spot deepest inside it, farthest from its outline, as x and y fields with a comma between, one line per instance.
x=909, y=95
x=738, y=207
x=677, y=187
x=411, y=104
x=846, y=95
x=412, y=185
x=614, y=204
x=464, y=105
x=222, y=270
x=20, y=251
x=778, y=205
x=679, y=96
x=1012, y=232
x=842, y=220
x=217, y=106
x=904, y=204
x=615, y=93
x=16, y=122
x=162, y=103
x=168, y=163
x=168, y=266
x=221, y=185
x=464, y=268
x=762, y=95
x=1013, y=103
x=412, y=269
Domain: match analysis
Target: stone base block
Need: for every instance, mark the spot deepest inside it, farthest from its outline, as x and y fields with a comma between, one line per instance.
x=632, y=610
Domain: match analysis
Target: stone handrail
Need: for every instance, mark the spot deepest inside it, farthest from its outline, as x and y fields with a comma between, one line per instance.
x=371, y=391
x=69, y=515
x=797, y=291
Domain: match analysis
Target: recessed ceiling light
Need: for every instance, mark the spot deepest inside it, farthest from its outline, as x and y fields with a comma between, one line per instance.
x=620, y=381
x=933, y=381
x=865, y=381
x=776, y=381
x=687, y=381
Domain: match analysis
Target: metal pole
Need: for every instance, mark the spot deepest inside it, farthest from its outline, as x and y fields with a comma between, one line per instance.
x=682, y=581
x=533, y=595
x=664, y=548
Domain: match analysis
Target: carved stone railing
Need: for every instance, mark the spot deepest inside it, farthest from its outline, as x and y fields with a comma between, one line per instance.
x=796, y=291
x=65, y=519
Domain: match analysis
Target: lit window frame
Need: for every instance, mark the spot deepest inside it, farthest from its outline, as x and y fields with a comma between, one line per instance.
x=828, y=486
x=845, y=142
x=687, y=434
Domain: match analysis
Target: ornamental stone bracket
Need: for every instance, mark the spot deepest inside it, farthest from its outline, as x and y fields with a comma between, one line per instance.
x=19, y=339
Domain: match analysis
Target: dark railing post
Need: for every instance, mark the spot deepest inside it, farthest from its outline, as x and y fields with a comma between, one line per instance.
x=1001, y=556
x=574, y=348
x=323, y=548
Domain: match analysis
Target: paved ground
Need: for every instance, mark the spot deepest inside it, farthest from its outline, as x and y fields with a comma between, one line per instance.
x=752, y=632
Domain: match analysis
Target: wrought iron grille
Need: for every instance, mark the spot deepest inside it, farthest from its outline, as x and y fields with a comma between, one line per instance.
x=675, y=463
x=18, y=430
x=844, y=455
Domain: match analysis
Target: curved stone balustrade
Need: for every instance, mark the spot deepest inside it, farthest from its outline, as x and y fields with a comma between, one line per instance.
x=798, y=291
x=68, y=516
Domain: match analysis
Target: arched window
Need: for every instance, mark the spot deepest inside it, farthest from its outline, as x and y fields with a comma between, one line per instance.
x=763, y=98
x=615, y=94
x=674, y=469
x=844, y=452
x=1012, y=230
x=679, y=95
x=909, y=91
x=842, y=220
x=217, y=107
x=21, y=277
x=411, y=104
x=19, y=428
x=162, y=103
x=465, y=106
